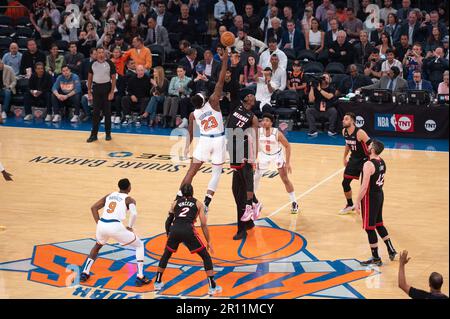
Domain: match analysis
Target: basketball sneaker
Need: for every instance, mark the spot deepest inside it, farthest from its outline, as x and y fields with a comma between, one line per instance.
x=392, y=255
x=372, y=261
x=142, y=281
x=240, y=235
x=295, y=208
x=158, y=286
x=346, y=210
x=84, y=277
x=257, y=207
x=206, y=209
x=214, y=291
x=248, y=214
x=48, y=118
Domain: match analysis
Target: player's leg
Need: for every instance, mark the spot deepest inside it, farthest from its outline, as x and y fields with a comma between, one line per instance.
x=289, y=188
x=102, y=236
x=238, y=188
x=369, y=214
x=207, y=262
x=192, y=171
x=90, y=261
x=383, y=233
x=347, y=192
x=217, y=150
x=129, y=239
x=171, y=246
x=247, y=174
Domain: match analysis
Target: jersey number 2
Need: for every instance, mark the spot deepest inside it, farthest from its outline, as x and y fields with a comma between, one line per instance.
x=184, y=211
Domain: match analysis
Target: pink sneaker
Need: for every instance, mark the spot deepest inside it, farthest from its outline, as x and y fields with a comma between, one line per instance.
x=247, y=214
x=257, y=207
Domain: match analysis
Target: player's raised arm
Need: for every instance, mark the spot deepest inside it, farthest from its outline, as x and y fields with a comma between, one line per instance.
x=402, y=283
x=368, y=171
x=204, y=225
x=96, y=207
x=190, y=132
x=214, y=99
x=255, y=126
x=282, y=139
x=131, y=204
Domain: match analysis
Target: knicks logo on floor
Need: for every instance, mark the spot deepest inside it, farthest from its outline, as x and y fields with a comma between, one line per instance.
x=270, y=263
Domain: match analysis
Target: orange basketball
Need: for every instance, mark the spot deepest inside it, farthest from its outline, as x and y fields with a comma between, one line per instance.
x=227, y=38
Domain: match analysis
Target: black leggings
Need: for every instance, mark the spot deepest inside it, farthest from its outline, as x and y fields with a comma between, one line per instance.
x=207, y=262
x=242, y=183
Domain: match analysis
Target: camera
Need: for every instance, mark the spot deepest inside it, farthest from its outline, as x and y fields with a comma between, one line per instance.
x=315, y=80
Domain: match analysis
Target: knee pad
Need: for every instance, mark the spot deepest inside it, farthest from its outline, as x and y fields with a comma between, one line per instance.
x=215, y=177
x=346, y=184
x=165, y=259
x=382, y=231
x=372, y=236
x=207, y=262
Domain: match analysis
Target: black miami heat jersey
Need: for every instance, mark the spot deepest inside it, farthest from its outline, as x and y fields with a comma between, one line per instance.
x=377, y=178
x=239, y=119
x=185, y=211
x=358, y=149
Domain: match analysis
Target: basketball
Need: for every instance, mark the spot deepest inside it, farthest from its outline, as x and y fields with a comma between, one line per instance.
x=227, y=38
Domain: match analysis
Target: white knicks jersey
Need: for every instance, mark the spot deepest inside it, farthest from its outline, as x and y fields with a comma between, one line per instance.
x=269, y=145
x=209, y=120
x=115, y=206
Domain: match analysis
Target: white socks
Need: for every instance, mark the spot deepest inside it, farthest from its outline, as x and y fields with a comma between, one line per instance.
x=292, y=197
x=87, y=267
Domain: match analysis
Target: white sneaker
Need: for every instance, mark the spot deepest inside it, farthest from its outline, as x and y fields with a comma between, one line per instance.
x=257, y=207
x=103, y=120
x=112, y=118
x=127, y=120
x=4, y=116
x=158, y=286
x=28, y=117
x=184, y=123
x=116, y=120
x=214, y=291
x=248, y=214
x=346, y=210
x=48, y=118
x=75, y=119
x=56, y=118
x=294, y=208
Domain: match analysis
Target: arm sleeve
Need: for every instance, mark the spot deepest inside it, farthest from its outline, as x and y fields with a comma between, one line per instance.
x=169, y=221
x=133, y=215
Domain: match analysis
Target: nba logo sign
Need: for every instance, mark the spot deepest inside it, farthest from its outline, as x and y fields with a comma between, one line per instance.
x=394, y=122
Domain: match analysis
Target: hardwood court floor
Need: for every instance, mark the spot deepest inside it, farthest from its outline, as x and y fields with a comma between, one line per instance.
x=50, y=202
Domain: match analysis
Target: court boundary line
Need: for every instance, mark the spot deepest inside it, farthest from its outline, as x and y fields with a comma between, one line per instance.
x=311, y=189
x=168, y=135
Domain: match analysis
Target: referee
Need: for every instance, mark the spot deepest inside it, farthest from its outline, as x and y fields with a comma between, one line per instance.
x=101, y=85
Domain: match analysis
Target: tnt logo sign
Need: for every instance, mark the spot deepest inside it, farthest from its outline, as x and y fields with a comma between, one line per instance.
x=404, y=123
x=359, y=121
x=430, y=125
x=394, y=122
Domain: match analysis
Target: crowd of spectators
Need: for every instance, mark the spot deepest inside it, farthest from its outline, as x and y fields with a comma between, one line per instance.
x=164, y=52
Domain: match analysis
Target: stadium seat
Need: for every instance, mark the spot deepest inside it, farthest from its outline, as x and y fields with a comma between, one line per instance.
x=7, y=31
x=5, y=21
x=287, y=104
x=338, y=79
x=24, y=32
x=62, y=45
x=313, y=67
x=4, y=43
x=21, y=88
x=23, y=22
x=335, y=68
x=290, y=53
x=306, y=54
